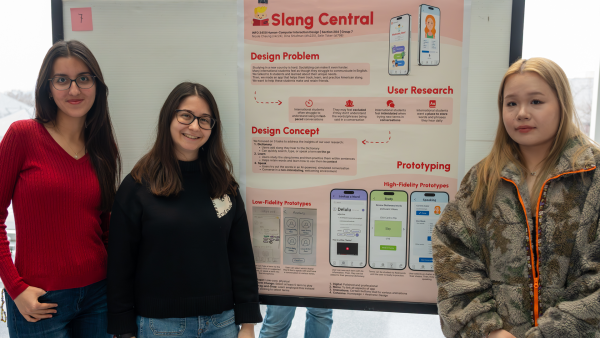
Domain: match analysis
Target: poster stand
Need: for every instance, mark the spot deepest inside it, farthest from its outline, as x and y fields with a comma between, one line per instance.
x=516, y=27
x=516, y=39
x=351, y=304
x=516, y=31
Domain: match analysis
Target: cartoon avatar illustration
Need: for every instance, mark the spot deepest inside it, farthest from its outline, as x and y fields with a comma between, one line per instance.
x=437, y=209
x=259, y=16
x=430, y=27
x=399, y=28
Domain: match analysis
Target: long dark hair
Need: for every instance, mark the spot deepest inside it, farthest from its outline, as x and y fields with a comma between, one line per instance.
x=100, y=141
x=159, y=168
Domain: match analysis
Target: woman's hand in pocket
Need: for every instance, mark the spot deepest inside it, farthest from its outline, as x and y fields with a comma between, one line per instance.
x=247, y=331
x=29, y=306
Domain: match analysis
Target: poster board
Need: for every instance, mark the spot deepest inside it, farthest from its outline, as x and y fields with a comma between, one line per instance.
x=144, y=53
x=346, y=179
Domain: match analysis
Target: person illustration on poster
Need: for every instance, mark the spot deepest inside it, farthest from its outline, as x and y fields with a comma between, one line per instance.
x=430, y=27
x=259, y=16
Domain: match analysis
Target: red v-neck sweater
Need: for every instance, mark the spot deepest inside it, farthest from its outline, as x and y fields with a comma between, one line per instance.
x=61, y=235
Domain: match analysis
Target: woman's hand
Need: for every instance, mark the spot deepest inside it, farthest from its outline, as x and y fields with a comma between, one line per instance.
x=30, y=308
x=500, y=334
x=247, y=331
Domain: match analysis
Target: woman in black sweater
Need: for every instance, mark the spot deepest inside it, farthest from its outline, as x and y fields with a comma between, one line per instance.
x=180, y=258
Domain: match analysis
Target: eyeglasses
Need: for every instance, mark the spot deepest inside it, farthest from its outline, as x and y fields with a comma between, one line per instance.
x=83, y=81
x=186, y=117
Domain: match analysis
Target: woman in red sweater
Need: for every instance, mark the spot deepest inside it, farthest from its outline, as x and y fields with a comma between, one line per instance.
x=60, y=171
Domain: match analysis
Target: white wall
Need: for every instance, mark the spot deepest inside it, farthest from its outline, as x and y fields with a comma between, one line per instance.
x=146, y=48
x=488, y=61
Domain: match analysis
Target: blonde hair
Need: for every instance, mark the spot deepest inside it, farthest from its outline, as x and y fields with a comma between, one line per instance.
x=260, y=9
x=505, y=150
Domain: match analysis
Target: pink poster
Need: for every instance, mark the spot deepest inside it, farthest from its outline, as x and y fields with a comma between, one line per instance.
x=351, y=124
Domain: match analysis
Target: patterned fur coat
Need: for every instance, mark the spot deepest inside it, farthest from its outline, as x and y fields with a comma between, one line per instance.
x=483, y=260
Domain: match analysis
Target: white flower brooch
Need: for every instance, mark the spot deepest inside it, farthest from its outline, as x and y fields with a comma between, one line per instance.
x=222, y=205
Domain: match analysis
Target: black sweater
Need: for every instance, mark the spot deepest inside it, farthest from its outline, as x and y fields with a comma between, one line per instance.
x=173, y=257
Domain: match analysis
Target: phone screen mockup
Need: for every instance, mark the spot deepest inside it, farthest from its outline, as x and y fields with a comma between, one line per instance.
x=387, y=229
x=425, y=210
x=348, y=228
x=429, y=35
x=399, y=47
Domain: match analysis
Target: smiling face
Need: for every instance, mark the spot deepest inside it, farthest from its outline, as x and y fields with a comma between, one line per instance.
x=187, y=139
x=430, y=24
x=73, y=102
x=530, y=111
x=260, y=16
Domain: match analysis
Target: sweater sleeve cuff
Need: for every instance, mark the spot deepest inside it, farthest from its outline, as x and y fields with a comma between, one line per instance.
x=247, y=313
x=14, y=290
x=482, y=325
x=557, y=323
x=121, y=323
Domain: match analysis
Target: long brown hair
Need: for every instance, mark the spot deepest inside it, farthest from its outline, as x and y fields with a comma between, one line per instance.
x=505, y=150
x=159, y=168
x=100, y=142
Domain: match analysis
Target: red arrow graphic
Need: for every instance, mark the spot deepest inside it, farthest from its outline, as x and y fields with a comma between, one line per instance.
x=278, y=102
x=388, y=141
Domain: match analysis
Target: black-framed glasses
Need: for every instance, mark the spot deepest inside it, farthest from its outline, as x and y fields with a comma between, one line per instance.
x=83, y=81
x=185, y=116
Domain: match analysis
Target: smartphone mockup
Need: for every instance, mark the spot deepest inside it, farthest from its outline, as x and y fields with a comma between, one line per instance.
x=348, y=228
x=425, y=210
x=399, y=47
x=429, y=35
x=387, y=229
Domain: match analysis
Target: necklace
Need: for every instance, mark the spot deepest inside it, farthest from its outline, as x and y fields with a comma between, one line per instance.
x=533, y=173
x=76, y=157
x=76, y=153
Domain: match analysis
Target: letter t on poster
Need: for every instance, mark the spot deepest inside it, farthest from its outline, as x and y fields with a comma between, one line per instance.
x=81, y=19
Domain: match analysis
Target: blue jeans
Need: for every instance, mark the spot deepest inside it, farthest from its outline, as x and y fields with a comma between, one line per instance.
x=221, y=325
x=279, y=319
x=81, y=312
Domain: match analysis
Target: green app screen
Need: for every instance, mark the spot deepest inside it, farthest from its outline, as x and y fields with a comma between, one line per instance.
x=387, y=236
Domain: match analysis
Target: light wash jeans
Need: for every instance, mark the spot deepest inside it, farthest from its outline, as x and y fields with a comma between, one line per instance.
x=221, y=325
x=279, y=319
